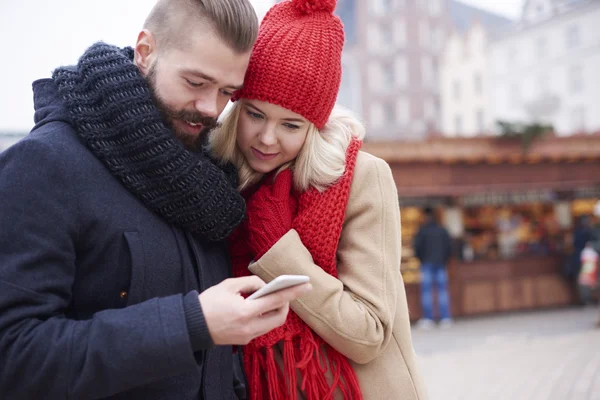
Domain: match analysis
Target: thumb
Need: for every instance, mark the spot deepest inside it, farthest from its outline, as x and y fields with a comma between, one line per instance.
x=283, y=184
x=245, y=284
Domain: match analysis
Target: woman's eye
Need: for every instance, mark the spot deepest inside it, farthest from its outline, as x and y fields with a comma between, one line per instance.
x=254, y=115
x=291, y=126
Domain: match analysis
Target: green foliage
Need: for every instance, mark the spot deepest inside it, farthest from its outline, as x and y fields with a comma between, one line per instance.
x=526, y=133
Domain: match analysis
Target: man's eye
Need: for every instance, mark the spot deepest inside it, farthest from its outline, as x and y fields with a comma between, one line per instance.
x=226, y=93
x=194, y=84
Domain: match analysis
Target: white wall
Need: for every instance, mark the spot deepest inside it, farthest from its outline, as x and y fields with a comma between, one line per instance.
x=39, y=36
x=537, y=65
x=464, y=63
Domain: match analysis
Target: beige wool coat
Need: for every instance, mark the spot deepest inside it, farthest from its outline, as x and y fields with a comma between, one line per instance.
x=364, y=313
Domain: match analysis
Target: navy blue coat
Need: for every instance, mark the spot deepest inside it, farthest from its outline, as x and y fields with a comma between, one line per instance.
x=432, y=244
x=93, y=284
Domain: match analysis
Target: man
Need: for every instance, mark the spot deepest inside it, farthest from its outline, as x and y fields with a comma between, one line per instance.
x=113, y=221
x=433, y=248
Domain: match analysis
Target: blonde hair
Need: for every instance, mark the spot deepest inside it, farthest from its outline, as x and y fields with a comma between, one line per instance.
x=320, y=162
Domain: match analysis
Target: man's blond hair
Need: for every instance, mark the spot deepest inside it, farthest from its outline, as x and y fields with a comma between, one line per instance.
x=172, y=22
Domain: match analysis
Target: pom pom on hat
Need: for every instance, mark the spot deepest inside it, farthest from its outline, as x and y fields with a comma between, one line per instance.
x=311, y=6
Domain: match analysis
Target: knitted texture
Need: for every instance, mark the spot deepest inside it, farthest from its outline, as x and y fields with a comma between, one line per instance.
x=296, y=61
x=111, y=108
x=318, y=221
x=270, y=211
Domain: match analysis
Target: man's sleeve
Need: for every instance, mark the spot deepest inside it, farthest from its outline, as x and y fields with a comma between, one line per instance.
x=43, y=354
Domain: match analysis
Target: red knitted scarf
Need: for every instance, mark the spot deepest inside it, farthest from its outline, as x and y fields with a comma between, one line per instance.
x=318, y=221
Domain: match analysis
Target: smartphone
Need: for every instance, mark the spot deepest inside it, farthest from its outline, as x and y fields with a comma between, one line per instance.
x=279, y=283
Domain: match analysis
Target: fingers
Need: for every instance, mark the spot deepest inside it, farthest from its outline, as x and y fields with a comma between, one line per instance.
x=272, y=320
x=277, y=300
x=245, y=284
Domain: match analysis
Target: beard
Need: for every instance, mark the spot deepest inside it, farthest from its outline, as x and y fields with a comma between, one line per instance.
x=169, y=114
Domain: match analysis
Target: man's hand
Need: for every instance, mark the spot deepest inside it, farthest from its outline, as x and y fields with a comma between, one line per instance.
x=233, y=320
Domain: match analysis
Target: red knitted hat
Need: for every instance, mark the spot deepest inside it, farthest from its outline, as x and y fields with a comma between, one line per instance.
x=296, y=62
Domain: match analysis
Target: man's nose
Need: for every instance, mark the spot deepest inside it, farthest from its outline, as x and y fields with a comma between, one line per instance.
x=207, y=105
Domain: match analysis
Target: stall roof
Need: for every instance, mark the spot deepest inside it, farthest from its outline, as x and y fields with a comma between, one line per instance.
x=489, y=150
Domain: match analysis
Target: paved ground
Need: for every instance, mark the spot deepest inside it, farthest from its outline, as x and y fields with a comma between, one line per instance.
x=547, y=355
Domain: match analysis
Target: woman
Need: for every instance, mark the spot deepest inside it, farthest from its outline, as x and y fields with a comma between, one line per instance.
x=316, y=206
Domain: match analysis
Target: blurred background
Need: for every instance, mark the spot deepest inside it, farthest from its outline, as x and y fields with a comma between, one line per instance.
x=487, y=111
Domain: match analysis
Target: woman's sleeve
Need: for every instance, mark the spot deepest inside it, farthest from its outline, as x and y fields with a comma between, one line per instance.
x=355, y=312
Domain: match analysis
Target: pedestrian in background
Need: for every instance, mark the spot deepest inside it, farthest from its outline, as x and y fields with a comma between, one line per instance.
x=432, y=247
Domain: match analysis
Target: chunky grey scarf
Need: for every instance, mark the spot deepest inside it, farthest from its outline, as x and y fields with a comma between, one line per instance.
x=111, y=107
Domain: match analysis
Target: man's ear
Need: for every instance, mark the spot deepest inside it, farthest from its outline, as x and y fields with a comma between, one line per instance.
x=145, y=51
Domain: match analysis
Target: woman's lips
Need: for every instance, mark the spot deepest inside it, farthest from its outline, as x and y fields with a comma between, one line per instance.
x=263, y=156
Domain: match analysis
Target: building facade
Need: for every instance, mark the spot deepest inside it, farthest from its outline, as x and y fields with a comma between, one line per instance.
x=545, y=68
x=464, y=70
x=464, y=84
x=390, y=65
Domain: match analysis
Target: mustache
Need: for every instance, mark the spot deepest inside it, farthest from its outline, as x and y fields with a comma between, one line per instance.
x=193, y=117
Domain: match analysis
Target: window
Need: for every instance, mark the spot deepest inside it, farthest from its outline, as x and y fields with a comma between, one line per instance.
x=573, y=39
x=576, y=79
x=478, y=84
x=403, y=110
x=437, y=39
x=387, y=36
x=429, y=110
x=401, y=71
x=381, y=77
x=377, y=115
x=458, y=125
x=389, y=79
x=375, y=77
x=399, y=34
x=427, y=72
x=381, y=7
x=480, y=122
x=389, y=114
x=456, y=90
x=418, y=128
x=541, y=47
x=380, y=38
x=374, y=40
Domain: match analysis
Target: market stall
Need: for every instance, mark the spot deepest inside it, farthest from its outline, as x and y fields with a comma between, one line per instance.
x=510, y=214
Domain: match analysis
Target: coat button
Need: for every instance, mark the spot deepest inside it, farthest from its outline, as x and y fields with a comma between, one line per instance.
x=123, y=294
